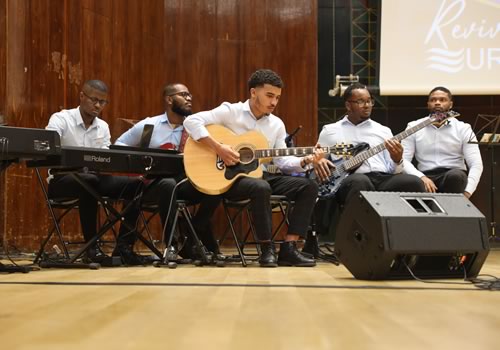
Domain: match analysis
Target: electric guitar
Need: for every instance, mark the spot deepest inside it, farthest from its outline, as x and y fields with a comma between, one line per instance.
x=208, y=173
x=343, y=168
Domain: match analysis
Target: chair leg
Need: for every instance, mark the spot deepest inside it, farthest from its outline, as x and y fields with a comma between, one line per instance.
x=58, y=232
x=228, y=228
x=166, y=254
x=199, y=245
x=55, y=220
x=235, y=236
x=145, y=223
x=251, y=229
x=285, y=211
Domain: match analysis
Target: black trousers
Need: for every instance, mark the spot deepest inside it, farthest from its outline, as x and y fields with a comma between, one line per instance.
x=354, y=183
x=114, y=187
x=448, y=180
x=161, y=191
x=301, y=190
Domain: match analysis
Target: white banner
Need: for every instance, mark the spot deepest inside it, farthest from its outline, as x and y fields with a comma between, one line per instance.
x=428, y=43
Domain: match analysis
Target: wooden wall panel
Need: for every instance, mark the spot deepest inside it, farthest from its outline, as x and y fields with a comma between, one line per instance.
x=212, y=46
x=3, y=57
x=190, y=49
x=3, y=72
x=142, y=60
x=30, y=89
x=294, y=55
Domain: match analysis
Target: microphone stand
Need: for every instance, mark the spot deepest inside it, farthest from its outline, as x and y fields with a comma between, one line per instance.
x=490, y=140
x=493, y=164
x=289, y=139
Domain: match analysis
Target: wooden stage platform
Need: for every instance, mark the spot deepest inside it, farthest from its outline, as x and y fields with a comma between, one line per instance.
x=243, y=308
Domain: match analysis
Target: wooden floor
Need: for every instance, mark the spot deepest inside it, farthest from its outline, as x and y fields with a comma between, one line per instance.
x=242, y=308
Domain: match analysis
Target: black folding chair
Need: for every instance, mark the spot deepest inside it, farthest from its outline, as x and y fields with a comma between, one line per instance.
x=280, y=204
x=170, y=256
x=64, y=205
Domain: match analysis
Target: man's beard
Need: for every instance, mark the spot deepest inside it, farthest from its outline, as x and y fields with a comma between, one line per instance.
x=180, y=110
x=263, y=108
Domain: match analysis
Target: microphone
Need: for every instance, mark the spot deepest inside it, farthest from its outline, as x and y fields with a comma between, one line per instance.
x=289, y=138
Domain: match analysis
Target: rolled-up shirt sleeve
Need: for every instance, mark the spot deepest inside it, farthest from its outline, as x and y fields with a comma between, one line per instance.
x=132, y=136
x=195, y=123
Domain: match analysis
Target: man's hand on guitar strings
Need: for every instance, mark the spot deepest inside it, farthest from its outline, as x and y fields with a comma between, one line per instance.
x=321, y=165
x=395, y=149
x=228, y=155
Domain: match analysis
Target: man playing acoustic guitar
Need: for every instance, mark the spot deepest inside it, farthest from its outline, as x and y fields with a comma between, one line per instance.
x=256, y=114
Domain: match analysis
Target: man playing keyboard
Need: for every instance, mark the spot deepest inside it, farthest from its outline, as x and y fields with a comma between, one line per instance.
x=83, y=127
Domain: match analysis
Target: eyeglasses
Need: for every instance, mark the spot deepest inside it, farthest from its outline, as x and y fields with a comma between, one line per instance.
x=95, y=100
x=184, y=94
x=361, y=103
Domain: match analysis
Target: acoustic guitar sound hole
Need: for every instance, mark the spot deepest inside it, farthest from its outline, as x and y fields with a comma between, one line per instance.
x=246, y=155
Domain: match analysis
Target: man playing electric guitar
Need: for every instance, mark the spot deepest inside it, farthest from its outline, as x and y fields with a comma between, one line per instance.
x=380, y=172
x=256, y=114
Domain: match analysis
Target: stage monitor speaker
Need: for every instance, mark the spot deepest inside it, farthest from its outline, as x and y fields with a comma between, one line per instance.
x=436, y=235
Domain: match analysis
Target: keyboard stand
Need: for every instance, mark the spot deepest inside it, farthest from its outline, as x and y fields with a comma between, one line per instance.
x=114, y=216
x=15, y=268
x=4, y=164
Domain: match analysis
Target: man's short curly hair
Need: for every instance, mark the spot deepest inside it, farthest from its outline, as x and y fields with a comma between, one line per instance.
x=96, y=84
x=443, y=89
x=356, y=86
x=264, y=76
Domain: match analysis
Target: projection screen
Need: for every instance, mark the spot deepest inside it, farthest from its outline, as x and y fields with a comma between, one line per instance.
x=428, y=43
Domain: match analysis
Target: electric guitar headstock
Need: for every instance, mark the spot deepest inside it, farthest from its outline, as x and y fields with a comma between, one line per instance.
x=439, y=118
x=343, y=150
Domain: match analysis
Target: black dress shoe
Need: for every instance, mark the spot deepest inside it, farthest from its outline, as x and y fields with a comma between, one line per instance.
x=289, y=255
x=129, y=257
x=189, y=251
x=206, y=237
x=94, y=255
x=267, y=255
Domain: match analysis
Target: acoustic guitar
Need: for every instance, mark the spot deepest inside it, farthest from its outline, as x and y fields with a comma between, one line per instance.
x=208, y=173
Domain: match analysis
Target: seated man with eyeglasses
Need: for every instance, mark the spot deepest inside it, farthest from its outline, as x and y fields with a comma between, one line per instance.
x=82, y=127
x=168, y=133
x=382, y=171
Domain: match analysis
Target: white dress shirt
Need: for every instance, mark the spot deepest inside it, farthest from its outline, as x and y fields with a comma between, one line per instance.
x=444, y=147
x=165, y=135
x=239, y=118
x=70, y=126
x=368, y=131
